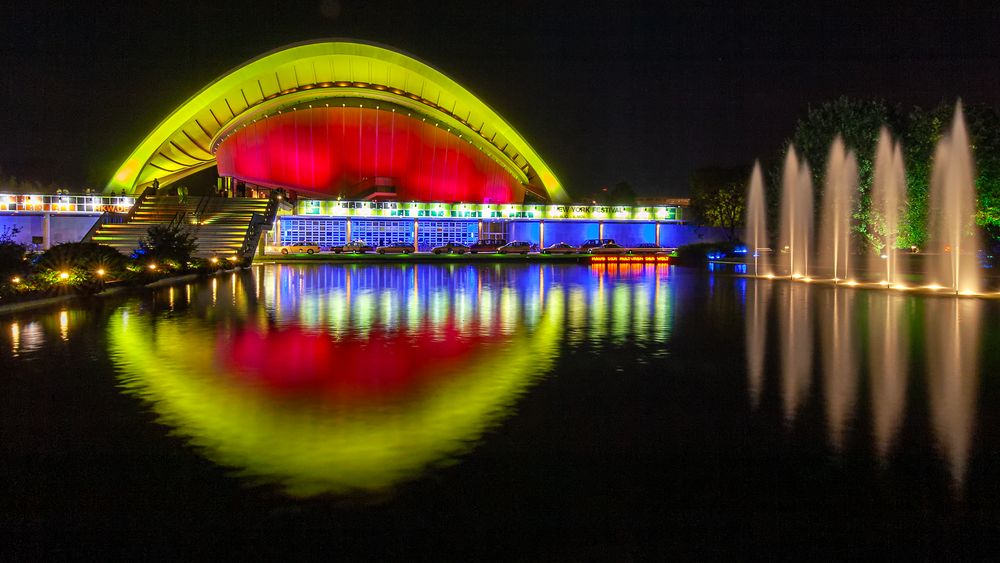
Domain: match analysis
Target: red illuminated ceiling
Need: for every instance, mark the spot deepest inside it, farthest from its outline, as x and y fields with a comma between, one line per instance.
x=327, y=152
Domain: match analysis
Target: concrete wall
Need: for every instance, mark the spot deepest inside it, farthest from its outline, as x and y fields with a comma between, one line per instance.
x=672, y=236
x=63, y=228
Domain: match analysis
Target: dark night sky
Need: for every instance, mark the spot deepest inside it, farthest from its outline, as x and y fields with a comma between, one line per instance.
x=641, y=92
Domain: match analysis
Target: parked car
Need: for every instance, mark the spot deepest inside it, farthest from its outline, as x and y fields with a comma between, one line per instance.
x=594, y=243
x=486, y=246
x=515, y=247
x=560, y=248
x=609, y=248
x=450, y=248
x=353, y=247
x=395, y=248
x=647, y=248
x=300, y=247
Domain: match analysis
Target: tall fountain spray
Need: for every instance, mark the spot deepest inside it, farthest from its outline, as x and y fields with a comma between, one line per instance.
x=953, y=208
x=888, y=199
x=840, y=184
x=756, y=235
x=796, y=214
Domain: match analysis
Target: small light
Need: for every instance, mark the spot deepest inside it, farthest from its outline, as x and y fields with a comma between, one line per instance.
x=15, y=279
x=64, y=275
x=215, y=260
x=152, y=266
x=100, y=271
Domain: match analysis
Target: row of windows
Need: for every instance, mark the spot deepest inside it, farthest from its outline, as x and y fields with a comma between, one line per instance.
x=333, y=232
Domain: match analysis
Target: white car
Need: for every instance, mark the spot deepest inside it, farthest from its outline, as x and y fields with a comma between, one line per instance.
x=609, y=248
x=515, y=247
x=300, y=248
x=560, y=248
x=395, y=248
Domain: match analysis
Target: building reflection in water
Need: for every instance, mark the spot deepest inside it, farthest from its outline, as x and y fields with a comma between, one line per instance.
x=344, y=379
x=952, y=343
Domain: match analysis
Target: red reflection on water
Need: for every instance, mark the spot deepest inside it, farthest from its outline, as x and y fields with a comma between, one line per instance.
x=293, y=361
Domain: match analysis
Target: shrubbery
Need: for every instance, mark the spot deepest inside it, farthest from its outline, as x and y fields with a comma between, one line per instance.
x=84, y=267
x=698, y=253
x=165, y=244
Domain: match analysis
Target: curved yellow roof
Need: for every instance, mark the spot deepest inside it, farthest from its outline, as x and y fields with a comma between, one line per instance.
x=184, y=142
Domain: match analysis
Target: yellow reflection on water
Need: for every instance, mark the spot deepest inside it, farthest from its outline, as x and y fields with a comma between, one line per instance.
x=64, y=325
x=313, y=448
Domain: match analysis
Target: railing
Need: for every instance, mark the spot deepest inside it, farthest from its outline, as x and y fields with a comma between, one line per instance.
x=258, y=222
x=202, y=206
x=106, y=218
x=178, y=220
x=138, y=202
x=490, y=211
x=72, y=204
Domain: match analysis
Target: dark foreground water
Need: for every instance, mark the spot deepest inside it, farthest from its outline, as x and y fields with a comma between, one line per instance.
x=501, y=412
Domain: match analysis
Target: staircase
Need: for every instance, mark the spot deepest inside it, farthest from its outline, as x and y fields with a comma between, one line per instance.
x=224, y=227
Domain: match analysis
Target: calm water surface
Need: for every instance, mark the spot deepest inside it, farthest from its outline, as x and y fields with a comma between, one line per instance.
x=481, y=411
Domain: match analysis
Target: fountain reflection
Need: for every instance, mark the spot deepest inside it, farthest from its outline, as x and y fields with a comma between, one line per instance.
x=839, y=363
x=796, y=348
x=953, y=378
x=352, y=379
x=758, y=299
x=888, y=343
x=952, y=343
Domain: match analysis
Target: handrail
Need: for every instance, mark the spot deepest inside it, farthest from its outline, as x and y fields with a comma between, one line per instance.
x=106, y=218
x=178, y=219
x=138, y=202
x=202, y=206
x=256, y=224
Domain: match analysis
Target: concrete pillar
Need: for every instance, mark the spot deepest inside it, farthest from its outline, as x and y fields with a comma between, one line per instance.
x=479, y=236
x=46, y=231
x=657, y=241
x=600, y=230
x=416, y=231
x=541, y=234
x=348, y=230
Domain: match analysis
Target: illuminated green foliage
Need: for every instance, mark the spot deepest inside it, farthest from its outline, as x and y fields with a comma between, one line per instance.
x=859, y=121
x=718, y=197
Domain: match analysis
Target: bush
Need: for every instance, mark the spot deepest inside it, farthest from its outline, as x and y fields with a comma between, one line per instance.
x=12, y=260
x=698, y=253
x=83, y=256
x=12, y=254
x=168, y=245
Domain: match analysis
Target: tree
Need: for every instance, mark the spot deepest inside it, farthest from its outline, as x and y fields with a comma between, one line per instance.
x=718, y=197
x=165, y=243
x=11, y=252
x=858, y=123
x=85, y=256
x=621, y=194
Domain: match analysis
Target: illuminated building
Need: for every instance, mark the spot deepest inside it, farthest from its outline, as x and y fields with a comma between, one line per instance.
x=376, y=145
